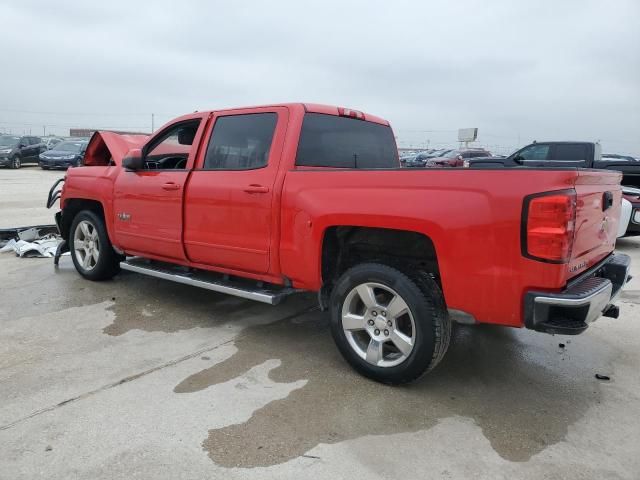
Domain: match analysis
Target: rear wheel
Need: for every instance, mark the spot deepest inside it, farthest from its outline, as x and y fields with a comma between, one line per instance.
x=91, y=250
x=388, y=326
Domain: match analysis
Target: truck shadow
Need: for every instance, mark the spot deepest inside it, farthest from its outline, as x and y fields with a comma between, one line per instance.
x=520, y=387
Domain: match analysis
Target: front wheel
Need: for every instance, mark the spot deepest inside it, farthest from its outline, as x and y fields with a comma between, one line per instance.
x=390, y=327
x=16, y=162
x=91, y=250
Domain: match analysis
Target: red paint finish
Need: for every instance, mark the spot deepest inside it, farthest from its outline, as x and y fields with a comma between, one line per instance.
x=269, y=223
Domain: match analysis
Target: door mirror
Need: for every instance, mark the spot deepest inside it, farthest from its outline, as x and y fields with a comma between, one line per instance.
x=133, y=160
x=22, y=145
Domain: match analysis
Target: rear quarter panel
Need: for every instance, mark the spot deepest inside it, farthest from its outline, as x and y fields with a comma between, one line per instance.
x=473, y=218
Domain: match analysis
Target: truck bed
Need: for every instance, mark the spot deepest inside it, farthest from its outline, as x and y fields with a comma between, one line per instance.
x=472, y=216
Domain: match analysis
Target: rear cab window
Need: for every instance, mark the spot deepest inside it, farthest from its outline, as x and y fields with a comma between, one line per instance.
x=342, y=142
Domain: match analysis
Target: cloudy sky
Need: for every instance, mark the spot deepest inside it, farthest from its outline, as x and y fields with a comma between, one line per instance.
x=517, y=70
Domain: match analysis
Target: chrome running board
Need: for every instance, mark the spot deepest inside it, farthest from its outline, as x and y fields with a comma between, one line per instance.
x=251, y=290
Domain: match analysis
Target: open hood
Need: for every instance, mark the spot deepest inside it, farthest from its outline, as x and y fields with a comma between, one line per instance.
x=109, y=148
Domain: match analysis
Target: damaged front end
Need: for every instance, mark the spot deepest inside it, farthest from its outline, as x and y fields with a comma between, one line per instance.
x=105, y=149
x=55, y=194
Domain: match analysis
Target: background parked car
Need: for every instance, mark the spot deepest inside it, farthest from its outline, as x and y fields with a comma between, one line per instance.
x=420, y=159
x=68, y=153
x=50, y=142
x=456, y=158
x=632, y=195
x=16, y=151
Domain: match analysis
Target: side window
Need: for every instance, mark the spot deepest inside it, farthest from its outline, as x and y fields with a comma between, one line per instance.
x=241, y=142
x=570, y=151
x=35, y=141
x=24, y=141
x=341, y=142
x=534, y=152
x=171, y=150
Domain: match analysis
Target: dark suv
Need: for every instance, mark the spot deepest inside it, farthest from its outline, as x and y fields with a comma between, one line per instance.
x=16, y=151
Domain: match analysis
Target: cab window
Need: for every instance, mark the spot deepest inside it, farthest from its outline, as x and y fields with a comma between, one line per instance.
x=171, y=150
x=570, y=151
x=241, y=142
x=534, y=152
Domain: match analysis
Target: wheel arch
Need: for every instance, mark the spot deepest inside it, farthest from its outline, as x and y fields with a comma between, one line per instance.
x=344, y=246
x=73, y=206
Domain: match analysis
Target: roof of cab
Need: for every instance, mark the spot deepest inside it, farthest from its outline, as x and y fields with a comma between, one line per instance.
x=307, y=107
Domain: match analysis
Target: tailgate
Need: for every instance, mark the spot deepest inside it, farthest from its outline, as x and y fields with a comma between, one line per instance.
x=597, y=215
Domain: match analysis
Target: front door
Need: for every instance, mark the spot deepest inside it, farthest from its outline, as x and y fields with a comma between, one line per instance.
x=229, y=218
x=148, y=202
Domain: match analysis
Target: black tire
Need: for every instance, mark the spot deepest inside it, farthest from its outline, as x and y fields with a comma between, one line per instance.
x=426, y=305
x=108, y=263
x=44, y=168
x=16, y=162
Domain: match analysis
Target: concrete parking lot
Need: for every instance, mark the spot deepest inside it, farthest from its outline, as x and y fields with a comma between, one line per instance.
x=142, y=378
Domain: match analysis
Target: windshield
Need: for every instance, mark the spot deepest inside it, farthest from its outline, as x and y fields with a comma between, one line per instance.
x=68, y=147
x=7, y=141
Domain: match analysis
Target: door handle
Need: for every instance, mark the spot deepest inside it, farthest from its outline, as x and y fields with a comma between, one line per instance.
x=254, y=188
x=170, y=186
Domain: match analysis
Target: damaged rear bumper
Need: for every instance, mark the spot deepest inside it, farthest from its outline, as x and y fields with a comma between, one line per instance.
x=585, y=299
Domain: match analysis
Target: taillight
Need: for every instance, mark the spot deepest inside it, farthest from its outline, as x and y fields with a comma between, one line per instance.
x=548, y=225
x=347, y=112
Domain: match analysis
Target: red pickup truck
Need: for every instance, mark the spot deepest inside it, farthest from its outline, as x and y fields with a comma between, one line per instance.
x=264, y=202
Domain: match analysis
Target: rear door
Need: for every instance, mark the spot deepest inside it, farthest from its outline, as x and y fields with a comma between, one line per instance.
x=25, y=149
x=228, y=202
x=35, y=143
x=148, y=202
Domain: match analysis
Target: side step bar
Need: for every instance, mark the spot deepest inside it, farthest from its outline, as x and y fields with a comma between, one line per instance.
x=271, y=294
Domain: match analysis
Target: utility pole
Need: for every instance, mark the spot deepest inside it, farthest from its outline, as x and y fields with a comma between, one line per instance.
x=44, y=130
x=152, y=123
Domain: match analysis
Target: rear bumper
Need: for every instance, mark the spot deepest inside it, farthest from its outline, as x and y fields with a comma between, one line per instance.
x=584, y=300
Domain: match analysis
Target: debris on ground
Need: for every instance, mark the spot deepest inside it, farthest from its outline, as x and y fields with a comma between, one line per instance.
x=602, y=377
x=561, y=345
x=38, y=241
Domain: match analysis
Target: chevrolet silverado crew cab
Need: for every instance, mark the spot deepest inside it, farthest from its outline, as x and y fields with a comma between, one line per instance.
x=267, y=201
